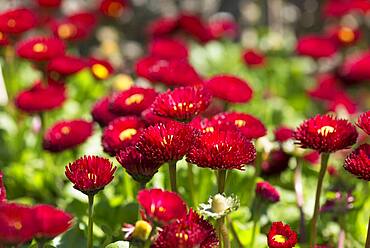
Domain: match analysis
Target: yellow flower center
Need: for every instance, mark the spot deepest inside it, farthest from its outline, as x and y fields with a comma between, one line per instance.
x=183, y=236
x=240, y=123
x=127, y=134
x=100, y=71
x=39, y=48
x=279, y=238
x=142, y=230
x=16, y=224
x=66, y=30
x=209, y=130
x=183, y=106
x=115, y=9
x=167, y=140
x=325, y=130
x=122, y=82
x=135, y=98
x=65, y=130
x=346, y=35
x=11, y=23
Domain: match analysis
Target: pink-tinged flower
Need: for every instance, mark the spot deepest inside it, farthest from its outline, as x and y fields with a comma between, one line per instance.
x=312, y=157
x=150, y=118
x=40, y=48
x=316, y=46
x=253, y=58
x=65, y=65
x=16, y=224
x=101, y=112
x=229, y=88
x=50, y=222
x=132, y=101
x=2, y=189
x=340, y=101
x=162, y=27
x=267, y=192
x=188, y=232
x=281, y=236
x=344, y=36
x=327, y=88
x=161, y=206
x=3, y=39
x=166, y=142
x=340, y=204
x=356, y=68
x=364, y=122
x=15, y=21
x=49, y=3
x=223, y=25
x=283, y=134
x=168, y=49
x=40, y=98
x=195, y=27
x=358, y=162
x=277, y=162
x=90, y=174
x=65, y=135
x=113, y=8
x=326, y=134
x=101, y=69
x=121, y=133
x=182, y=104
x=221, y=149
x=338, y=8
x=249, y=125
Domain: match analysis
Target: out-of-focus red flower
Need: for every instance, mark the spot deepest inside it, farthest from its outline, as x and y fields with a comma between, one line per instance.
x=312, y=157
x=182, y=104
x=267, y=192
x=49, y=3
x=162, y=27
x=50, y=222
x=150, y=118
x=101, y=69
x=277, y=162
x=221, y=149
x=356, y=68
x=132, y=101
x=344, y=36
x=2, y=189
x=65, y=135
x=101, y=112
x=325, y=133
x=223, y=25
x=342, y=100
x=283, y=134
x=338, y=8
x=161, y=206
x=113, y=8
x=3, y=39
x=15, y=21
x=364, y=122
x=40, y=48
x=358, y=162
x=90, y=174
x=316, y=46
x=194, y=26
x=281, y=236
x=332, y=171
x=168, y=49
x=166, y=142
x=121, y=133
x=65, y=65
x=327, y=88
x=40, y=98
x=252, y=58
x=188, y=232
x=229, y=88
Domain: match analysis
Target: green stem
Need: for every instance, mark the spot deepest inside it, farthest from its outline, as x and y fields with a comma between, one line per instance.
x=324, y=165
x=40, y=243
x=172, y=172
x=234, y=233
x=220, y=224
x=256, y=218
x=91, y=222
x=221, y=179
x=368, y=235
x=191, y=184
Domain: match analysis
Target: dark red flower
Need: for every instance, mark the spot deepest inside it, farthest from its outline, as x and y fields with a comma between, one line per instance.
x=188, y=232
x=65, y=135
x=41, y=97
x=15, y=21
x=340, y=101
x=90, y=174
x=229, y=88
x=150, y=118
x=65, y=65
x=3, y=39
x=221, y=149
x=344, y=36
x=88, y=20
x=2, y=189
x=358, y=162
x=203, y=124
x=338, y=8
x=364, y=122
x=283, y=134
x=182, y=104
x=277, y=162
x=168, y=49
x=101, y=69
x=223, y=25
x=332, y=170
x=50, y=222
x=195, y=27
x=165, y=142
x=316, y=46
x=121, y=133
x=356, y=68
x=327, y=88
x=253, y=58
x=49, y=3
x=113, y=8
x=40, y=48
x=101, y=112
x=162, y=27
x=161, y=206
x=312, y=157
x=281, y=236
x=132, y=101
x=267, y=192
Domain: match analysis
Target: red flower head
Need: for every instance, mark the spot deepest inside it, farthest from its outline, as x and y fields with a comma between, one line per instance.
x=3, y=40
x=138, y=166
x=250, y=126
x=101, y=69
x=358, y=162
x=113, y=8
x=229, y=88
x=267, y=192
x=40, y=48
x=17, y=21
x=101, y=112
x=195, y=27
x=41, y=97
x=50, y=222
x=161, y=206
x=121, y=133
x=342, y=100
x=150, y=118
x=327, y=88
x=364, y=122
x=65, y=65
x=356, y=68
x=203, y=125
x=132, y=101
x=49, y=3
x=163, y=26
x=312, y=157
x=283, y=134
x=277, y=162
x=325, y=133
x=2, y=189
x=16, y=224
x=253, y=58
x=90, y=174
x=65, y=135
x=221, y=149
x=223, y=25
x=338, y=8
x=344, y=36
x=165, y=142
x=316, y=46
x=182, y=104
x=281, y=236
x=188, y=232
x=168, y=49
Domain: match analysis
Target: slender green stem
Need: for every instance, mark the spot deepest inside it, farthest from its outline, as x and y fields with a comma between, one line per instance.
x=191, y=184
x=91, y=222
x=221, y=180
x=40, y=243
x=324, y=165
x=234, y=233
x=142, y=185
x=368, y=235
x=256, y=217
x=172, y=172
x=220, y=224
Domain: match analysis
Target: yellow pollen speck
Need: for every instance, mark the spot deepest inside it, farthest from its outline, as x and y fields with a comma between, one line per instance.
x=16, y=224
x=279, y=238
x=39, y=48
x=65, y=130
x=209, y=130
x=115, y=9
x=100, y=71
x=167, y=140
x=183, y=236
x=142, y=230
x=11, y=23
x=135, y=98
x=152, y=208
x=346, y=35
x=325, y=130
x=161, y=209
x=127, y=134
x=66, y=30
x=240, y=123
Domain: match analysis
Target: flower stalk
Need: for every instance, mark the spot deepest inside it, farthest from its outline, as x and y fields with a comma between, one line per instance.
x=368, y=235
x=172, y=172
x=91, y=221
x=220, y=223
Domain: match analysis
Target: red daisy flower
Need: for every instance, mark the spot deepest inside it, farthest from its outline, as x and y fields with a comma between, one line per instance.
x=344, y=36
x=132, y=101
x=203, y=124
x=165, y=142
x=223, y=25
x=90, y=174
x=195, y=27
x=327, y=88
x=101, y=69
x=182, y=104
x=356, y=68
x=2, y=189
x=3, y=39
x=16, y=224
x=283, y=134
x=41, y=97
x=281, y=236
x=15, y=21
x=358, y=162
x=325, y=133
x=65, y=135
x=50, y=222
x=277, y=162
x=101, y=112
x=65, y=65
x=253, y=58
x=168, y=49
x=163, y=26
x=267, y=192
x=340, y=101
x=312, y=157
x=150, y=118
x=221, y=149
x=121, y=133
x=229, y=88
x=188, y=232
x=49, y=3
x=40, y=48
x=316, y=46
x=338, y=8
x=113, y=8
x=364, y=122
